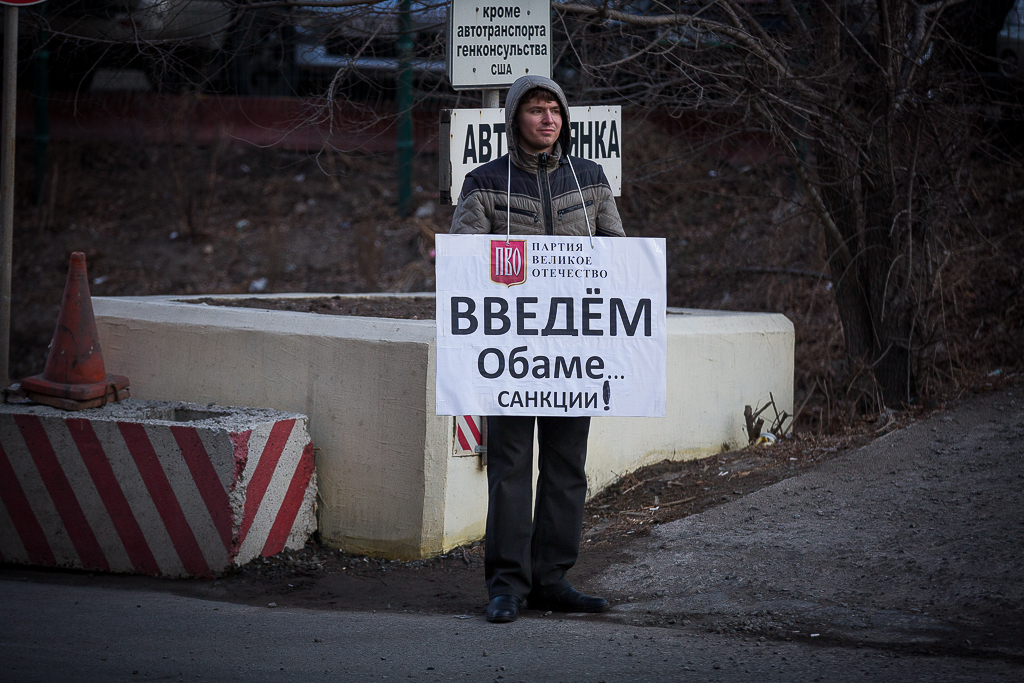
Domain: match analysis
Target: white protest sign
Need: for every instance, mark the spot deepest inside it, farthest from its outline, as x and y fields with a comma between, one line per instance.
x=476, y=136
x=490, y=45
x=542, y=325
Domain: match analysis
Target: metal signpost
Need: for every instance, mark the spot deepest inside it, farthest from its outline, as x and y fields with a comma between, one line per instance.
x=490, y=46
x=7, y=175
x=404, y=142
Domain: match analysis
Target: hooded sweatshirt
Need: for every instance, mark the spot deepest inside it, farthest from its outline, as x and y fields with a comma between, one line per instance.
x=537, y=194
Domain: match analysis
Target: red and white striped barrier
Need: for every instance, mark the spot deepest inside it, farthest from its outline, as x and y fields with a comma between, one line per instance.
x=468, y=434
x=131, y=487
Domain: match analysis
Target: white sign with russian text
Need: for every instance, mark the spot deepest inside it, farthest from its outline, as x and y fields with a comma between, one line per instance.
x=477, y=136
x=542, y=325
x=491, y=45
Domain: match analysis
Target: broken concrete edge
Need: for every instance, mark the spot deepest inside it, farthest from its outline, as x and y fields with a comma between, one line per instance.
x=234, y=419
x=165, y=488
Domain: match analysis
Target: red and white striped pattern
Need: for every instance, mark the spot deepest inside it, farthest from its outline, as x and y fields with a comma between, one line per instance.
x=468, y=434
x=150, y=497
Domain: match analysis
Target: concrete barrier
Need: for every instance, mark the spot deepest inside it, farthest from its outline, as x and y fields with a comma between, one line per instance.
x=159, y=488
x=396, y=479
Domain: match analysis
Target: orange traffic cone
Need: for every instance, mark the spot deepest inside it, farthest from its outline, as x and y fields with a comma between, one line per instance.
x=74, y=377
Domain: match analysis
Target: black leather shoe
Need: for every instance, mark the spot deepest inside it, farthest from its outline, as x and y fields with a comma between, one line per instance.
x=569, y=600
x=503, y=608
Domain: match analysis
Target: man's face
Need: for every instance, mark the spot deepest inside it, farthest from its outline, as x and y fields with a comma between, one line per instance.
x=540, y=122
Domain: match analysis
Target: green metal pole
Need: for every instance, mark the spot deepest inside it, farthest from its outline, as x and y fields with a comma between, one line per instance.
x=404, y=144
x=41, y=116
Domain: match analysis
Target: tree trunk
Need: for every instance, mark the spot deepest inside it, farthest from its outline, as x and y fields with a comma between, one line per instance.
x=858, y=185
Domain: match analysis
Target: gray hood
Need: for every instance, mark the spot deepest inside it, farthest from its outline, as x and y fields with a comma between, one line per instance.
x=522, y=85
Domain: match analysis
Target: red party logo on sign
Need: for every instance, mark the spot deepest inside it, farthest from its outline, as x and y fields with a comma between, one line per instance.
x=508, y=262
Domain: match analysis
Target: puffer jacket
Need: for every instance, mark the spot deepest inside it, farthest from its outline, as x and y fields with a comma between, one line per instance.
x=543, y=197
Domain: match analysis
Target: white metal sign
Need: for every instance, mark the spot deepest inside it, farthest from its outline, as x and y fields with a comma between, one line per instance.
x=550, y=325
x=491, y=45
x=476, y=136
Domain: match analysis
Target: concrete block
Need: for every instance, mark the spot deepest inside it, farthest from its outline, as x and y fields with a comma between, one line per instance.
x=395, y=479
x=153, y=487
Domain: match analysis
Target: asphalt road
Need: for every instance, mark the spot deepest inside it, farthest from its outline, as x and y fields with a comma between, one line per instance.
x=898, y=562
x=61, y=633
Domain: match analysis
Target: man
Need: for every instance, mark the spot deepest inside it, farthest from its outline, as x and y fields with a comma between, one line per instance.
x=536, y=189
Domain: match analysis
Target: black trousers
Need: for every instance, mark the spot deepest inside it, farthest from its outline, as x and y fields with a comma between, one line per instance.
x=530, y=550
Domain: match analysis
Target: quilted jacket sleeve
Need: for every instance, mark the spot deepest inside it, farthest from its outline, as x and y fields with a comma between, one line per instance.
x=608, y=221
x=472, y=214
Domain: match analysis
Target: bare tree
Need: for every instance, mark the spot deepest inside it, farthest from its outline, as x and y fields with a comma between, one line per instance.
x=869, y=100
